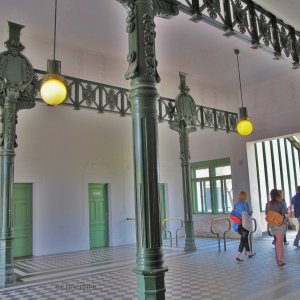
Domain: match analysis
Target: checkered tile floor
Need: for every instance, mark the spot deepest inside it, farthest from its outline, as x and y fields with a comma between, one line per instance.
x=205, y=274
x=67, y=260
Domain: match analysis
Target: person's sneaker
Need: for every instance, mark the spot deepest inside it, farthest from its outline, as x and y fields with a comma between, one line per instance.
x=286, y=243
x=296, y=245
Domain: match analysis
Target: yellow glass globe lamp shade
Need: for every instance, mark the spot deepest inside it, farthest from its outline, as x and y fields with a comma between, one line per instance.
x=245, y=127
x=53, y=89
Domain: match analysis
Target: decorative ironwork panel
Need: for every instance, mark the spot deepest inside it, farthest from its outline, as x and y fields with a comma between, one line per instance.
x=166, y=109
x=97, y=96
x=264, y=24
x=241, y=17
x=285, y=39
x=212, y=9
x=232, y=121
x=249, y=22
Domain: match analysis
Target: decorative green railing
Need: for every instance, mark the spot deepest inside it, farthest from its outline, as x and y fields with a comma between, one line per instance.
x=107, y=98
x=248, y=21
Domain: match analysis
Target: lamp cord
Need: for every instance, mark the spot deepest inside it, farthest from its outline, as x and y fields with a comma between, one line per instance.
x=55, y=18
x=238, y=65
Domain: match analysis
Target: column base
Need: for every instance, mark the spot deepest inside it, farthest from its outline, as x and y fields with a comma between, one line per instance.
x=7, y=276
x=151, y=284
x=190, y=245
x=150, y=274
x=7, y=279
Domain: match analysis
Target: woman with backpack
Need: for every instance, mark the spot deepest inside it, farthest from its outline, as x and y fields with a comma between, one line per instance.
x=276, y=216
x=285, y=242
x=239, y=207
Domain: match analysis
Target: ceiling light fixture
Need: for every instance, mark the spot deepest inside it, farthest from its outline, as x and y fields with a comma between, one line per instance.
x=244, y=126
x=53, y=87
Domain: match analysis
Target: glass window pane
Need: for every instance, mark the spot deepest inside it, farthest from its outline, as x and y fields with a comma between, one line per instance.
x=219, y=194
x=202, y=173
x=209, y=187
x=277, y=165
x=296, y=154
x=291, y=169
x=223, y=171
x=207, y=192
x=262, y=180
x=269, y=165
x=199, y=197
x=229, y=195
x=284, y=169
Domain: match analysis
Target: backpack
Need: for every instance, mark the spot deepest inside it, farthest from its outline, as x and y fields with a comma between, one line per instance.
x=274, y=218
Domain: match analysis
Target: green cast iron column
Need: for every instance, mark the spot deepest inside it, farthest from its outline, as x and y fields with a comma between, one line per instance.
x=187, y=188
x=150, y=269
x=17, y=88
x=183, y=120
x=7, y=174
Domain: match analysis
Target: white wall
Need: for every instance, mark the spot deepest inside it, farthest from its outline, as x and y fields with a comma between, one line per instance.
x=61, y=151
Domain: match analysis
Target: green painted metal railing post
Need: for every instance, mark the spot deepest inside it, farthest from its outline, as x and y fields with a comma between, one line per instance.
x=17, y=80
x=142, y=72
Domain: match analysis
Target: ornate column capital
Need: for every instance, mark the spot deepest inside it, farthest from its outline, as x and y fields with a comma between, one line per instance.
x=166, y=8
x=162, y=8
x=185, y=107
x=16, y=72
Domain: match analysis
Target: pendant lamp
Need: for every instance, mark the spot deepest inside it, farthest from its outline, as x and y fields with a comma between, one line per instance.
x=53, y=87
x=244, y=126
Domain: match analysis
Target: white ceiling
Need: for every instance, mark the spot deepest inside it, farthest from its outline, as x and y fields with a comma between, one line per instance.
x=197, y=49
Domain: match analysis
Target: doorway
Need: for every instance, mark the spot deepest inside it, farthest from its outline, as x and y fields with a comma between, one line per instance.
x=98, y=215
x=22, y=213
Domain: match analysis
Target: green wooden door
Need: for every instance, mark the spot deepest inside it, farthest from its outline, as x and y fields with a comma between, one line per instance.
x=98, y=215
x=163, y=211
x=22, y=213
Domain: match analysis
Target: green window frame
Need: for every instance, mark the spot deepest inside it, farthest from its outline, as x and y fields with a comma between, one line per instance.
x=212, y=191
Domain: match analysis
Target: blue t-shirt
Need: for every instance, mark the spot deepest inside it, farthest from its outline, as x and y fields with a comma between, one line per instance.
x=241, y=206
x=296, y=203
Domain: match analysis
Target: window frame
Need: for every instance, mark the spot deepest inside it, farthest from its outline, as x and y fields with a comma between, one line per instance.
x=211, y=165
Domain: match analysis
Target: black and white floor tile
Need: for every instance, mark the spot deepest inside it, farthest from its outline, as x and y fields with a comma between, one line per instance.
x=107, y=274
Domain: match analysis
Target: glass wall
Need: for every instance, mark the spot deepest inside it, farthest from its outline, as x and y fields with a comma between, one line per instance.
x=277, y=165
x=212, y=186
